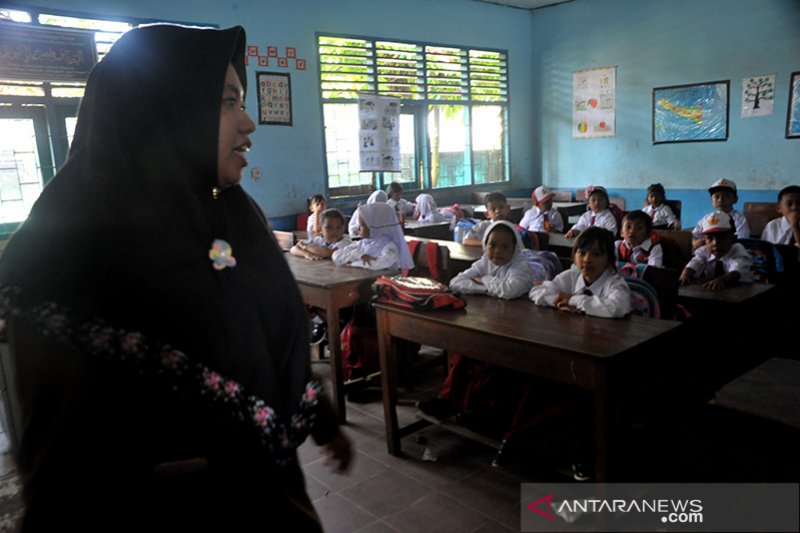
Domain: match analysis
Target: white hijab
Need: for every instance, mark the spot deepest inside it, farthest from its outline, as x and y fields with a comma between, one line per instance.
x=517, y=260
x=383, y=228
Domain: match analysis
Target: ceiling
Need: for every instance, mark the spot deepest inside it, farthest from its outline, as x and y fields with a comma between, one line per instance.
x=526, y=4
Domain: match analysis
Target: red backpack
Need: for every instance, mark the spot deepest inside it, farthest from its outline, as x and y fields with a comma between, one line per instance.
x=422, y=294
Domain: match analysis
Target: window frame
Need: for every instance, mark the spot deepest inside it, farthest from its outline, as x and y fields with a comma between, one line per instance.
x=419, y=108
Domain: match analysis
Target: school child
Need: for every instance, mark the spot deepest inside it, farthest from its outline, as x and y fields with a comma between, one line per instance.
x=638, y=243
x=376, y=196
x=497, y=208
x=592, y=286
x=332, y=238
x=599, y=213
x=426, y=210
x=502, y=271
x=786, y=229
x=382, y=245
x=394, y=192
x=660, y=213
x=723, y=197
x=721, y=261
x=316, y=204
x=542, y=216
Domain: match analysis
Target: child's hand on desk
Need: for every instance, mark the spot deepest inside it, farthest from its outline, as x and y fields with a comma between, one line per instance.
x=565, y=307
x=478, y=280
x=686, y=276
x=562, y=298
x=367, y=259
x=715, y=284
x=571, y=234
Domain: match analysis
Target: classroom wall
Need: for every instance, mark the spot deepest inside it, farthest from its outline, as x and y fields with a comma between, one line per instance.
x=291, y=158
x=657, y=43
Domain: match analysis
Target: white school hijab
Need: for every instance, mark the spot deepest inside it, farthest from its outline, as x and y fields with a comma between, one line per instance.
x=384, y=227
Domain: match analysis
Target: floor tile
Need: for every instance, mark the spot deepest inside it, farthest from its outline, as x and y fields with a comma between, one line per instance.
x=386, y=493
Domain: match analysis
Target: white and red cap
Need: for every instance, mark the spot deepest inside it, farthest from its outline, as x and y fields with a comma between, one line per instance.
x=542, y=194
x=715, y=223
x=722, y=183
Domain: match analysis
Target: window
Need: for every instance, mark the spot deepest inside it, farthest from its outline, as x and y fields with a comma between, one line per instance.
x=37, y=117
x=454, y=122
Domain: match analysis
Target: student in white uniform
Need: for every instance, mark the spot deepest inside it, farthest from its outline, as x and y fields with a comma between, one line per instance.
x=382, y=245
x=786, y=229
x=660, y=213
x=502, y=271
x=542, y=216
x=316, y=204
x=598, y=215
x=394, y=191
x=723, y=197
x=332, y=238
x=638, y=245
x=721, y=261
x=592, y=286
x=376, y=196
x=427, y=211
x=497, y=208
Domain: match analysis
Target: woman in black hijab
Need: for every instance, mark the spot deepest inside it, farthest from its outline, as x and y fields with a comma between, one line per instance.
x=159, y=337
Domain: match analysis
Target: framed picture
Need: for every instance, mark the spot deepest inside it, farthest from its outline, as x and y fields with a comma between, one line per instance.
x=793, y=114
x=274, y=98
x=691, y=113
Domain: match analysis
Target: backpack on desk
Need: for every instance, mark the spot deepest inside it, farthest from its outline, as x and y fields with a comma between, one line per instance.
x=422, y=294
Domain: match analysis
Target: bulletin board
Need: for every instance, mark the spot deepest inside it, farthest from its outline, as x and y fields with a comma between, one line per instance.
x=274, y=98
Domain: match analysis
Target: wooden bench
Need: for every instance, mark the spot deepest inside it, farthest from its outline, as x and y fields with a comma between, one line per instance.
x=758, y=214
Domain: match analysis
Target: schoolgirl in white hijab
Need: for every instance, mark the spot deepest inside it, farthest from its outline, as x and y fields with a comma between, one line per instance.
x=426, y=210
x=382, y=245
x=375, y=197
x=503, y=271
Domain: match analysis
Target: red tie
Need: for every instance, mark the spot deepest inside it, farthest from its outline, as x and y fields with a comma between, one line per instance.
x=547, y=225
x=653, y=213
x=592, y=222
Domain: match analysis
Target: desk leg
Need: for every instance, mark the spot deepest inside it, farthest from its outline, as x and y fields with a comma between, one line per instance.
x=335, y=347
x=388, y=359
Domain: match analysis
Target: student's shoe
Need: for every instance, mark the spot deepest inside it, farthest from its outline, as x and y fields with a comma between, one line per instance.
x=318, y=333
x=506, y=455
x=580, y=472
x=438, y=407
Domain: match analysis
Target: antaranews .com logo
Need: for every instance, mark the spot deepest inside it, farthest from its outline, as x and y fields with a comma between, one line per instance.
x=654, y=506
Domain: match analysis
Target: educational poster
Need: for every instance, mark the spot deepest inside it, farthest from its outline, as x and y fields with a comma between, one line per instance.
x=758, y=95
x=274, y=98
x=793, y=113
x=594, y=101
x=379, y=133
x=691, y=113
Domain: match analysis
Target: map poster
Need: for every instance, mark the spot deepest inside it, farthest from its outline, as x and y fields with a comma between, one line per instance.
x=594, y=102
x=793, y=113
x=379, y=133
x=691, y=113
x=758, y=95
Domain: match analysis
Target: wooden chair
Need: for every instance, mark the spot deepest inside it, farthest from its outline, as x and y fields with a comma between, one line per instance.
x=758, y=214
x=677, y=247
x=285, y=239
x=675, y=205
x=665, y=282
x=423, y=252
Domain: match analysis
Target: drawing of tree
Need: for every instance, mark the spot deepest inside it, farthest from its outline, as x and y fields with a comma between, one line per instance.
x=759, y=89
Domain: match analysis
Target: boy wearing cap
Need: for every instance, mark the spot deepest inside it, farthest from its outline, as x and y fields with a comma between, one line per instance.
x=497, y=208
x=723, y=197
x=542, y=216
x=721, y=261
x=786, y=229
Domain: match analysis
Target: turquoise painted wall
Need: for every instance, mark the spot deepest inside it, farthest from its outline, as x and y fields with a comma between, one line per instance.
x=291, y=157
x=658, y=43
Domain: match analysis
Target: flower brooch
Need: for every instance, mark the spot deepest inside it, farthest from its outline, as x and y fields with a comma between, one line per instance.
x=221, y=255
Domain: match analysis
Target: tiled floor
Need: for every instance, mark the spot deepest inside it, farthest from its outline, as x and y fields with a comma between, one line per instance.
x=460, y=491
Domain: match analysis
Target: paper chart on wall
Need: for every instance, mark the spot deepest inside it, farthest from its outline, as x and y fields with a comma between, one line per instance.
x=758, y=95
x=379, y=133
x=594, y=103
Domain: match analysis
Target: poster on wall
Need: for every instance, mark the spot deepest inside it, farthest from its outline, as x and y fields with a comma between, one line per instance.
x=379, y=133
x=691, y=113
x=758, y=95
x=274, y=98
x=594, y=102
x=793, y=114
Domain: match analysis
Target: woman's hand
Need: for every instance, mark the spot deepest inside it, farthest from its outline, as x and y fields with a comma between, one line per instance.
x=339, y=453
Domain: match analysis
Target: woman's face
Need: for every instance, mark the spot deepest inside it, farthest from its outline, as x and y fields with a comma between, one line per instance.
x=235, y=128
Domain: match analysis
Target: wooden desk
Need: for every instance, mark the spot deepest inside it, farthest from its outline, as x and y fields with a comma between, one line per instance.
x=701, y=300
x=561, y=245
x=461, y=257
x=515, y=212
x=582, y=351
x=436, y=230
x=330, y=287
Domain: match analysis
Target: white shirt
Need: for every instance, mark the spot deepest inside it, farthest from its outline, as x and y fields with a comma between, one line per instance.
x=610, y=295
x=646, y=252
x=387, y=259
x=533, y=219
x=604, y=219
x=404, y=205
x=742, y=227
x=310, y=224
x=663, y=217
x=509, y=281
x=478, y=230
x=778, y=231
x=704, y=263
x=319, y=240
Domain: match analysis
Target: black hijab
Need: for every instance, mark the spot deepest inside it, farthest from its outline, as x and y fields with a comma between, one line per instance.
x=123, y=231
